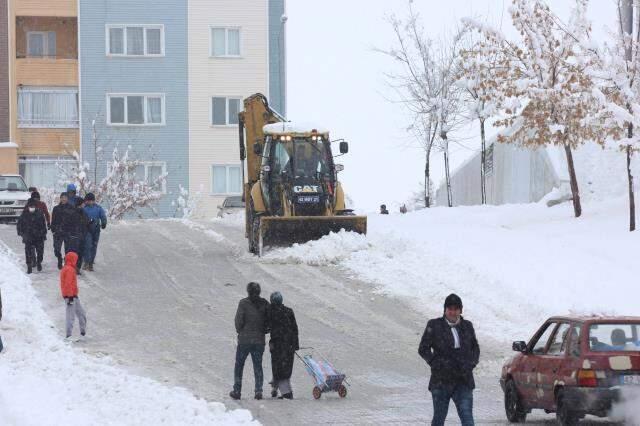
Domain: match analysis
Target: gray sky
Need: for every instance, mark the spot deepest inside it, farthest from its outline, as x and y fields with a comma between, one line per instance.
x=335, y=78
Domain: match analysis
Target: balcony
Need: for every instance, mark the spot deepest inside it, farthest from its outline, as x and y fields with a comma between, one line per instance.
x=46, y=72
x=49, y=7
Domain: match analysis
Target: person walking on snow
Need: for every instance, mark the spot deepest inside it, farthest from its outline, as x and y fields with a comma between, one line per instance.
x=73, y=197
x=35, y=195
x=76, y=230
x=97, y=221
x=69, y=289
x=283, y=346
x=450, y=347
x=252, y=323
x=60, y=220
x=33, y=230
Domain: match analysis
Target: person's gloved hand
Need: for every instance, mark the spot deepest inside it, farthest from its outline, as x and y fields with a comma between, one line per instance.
x=48, y=227
x=104, y=225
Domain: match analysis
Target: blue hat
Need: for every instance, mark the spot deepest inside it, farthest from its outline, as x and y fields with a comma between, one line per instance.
x=71, y=187
x=276, y=298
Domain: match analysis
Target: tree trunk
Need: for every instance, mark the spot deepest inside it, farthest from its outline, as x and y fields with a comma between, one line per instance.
x=483, y=163
x=427, y=180
x=577, y=207
x=632, y=200
x=446, y=172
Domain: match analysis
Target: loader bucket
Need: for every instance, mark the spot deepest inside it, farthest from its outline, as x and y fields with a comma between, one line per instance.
x=285, y=231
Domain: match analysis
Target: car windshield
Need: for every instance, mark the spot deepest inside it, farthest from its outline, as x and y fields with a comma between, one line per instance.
x=12, y=183
x=614, y=337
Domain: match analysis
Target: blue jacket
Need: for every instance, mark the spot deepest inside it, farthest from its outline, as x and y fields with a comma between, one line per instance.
x=74, y=200
x=96, y=215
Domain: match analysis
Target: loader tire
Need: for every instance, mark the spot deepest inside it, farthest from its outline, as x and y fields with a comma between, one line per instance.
x=254, y=243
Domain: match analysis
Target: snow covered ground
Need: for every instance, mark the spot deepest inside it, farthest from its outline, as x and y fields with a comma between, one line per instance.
x=46, y=381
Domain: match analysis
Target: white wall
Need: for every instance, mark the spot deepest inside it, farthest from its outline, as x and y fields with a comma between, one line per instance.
x=221, y=77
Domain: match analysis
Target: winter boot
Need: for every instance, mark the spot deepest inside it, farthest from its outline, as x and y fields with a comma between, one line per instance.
x=85, y=267
x=234, y=395
x=258, y=395
x=39, y=267
x=287, y=396
x=29, y=269
x=78, y=271
x=90, y=267
x=59, y=262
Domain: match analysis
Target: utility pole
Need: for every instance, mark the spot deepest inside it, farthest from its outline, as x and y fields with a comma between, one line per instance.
x=282, y=57
x=627, y=27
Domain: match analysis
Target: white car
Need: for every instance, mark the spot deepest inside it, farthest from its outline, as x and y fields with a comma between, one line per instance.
x=13, y=196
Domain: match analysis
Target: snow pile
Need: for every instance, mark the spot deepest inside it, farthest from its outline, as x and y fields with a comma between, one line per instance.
x=44, y=381
x=513, y=265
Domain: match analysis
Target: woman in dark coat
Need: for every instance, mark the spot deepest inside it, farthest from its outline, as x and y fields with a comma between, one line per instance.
x=32, y=227
x=283, y=345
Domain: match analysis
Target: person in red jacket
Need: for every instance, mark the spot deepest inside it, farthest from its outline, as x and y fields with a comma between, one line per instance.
x=69, y=289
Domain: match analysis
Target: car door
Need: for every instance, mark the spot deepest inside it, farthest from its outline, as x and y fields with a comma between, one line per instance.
x=550, y=363
x=526, y=377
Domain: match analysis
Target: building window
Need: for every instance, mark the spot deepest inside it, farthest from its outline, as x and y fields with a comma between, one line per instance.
x=224, y=42
x=135, y=40
x=226, y=180
x=41, y=44
x=224, y=111
x=135, y=109
x=46, y=171
x=151, y=171
x=47, y=107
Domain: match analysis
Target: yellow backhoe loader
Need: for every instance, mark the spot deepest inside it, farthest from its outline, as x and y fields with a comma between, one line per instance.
x=291, y=190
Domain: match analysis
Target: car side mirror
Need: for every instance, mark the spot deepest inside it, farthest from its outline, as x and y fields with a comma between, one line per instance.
x=257, y=148
x=339, y=167
x=344, y=147
x=519, y=346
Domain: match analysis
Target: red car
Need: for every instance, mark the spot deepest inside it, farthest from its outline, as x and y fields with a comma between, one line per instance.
x=572, y=366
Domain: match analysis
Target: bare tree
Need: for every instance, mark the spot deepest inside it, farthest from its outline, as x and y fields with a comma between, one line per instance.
x=426, y=86
x=545, y=79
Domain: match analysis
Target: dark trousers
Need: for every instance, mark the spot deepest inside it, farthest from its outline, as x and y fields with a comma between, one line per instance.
x=242, y=352
x=75, y=244
x=34, y=251
x=58, y=239
x=463, y=399
x=90, y=249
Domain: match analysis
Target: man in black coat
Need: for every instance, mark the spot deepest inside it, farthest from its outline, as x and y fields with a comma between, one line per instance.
x=62, y=216
x=450, y=347
x=283, y=346
x=252, y=323
x=74, y=228
x=32, y=227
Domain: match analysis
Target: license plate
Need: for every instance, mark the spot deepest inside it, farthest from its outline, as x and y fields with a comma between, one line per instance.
x=631, y=380
x=309, y=199
x=6, y=211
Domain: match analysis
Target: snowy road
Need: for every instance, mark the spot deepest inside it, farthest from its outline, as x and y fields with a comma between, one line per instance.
x=162, y=301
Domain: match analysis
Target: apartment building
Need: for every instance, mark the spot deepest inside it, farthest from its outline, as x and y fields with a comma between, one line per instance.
x=42, y=60
x=163, y=78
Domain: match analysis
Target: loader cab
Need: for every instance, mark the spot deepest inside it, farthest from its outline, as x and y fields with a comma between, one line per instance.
x=298, y=173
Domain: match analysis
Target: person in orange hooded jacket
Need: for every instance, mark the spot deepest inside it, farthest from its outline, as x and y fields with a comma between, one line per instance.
x=69, y=289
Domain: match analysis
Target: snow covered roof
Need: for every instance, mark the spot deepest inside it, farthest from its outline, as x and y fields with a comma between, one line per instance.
x=288, y=127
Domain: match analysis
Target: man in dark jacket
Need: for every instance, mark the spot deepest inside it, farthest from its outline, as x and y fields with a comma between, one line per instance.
x=32, y=227
x=75, y=229
x=42, y=207
x=450, y=348
x=252, y=323
x=74, y=198
x=283, y=346
x=61, y=217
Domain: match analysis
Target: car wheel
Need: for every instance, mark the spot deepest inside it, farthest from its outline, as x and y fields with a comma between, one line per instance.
x=513, y=404
x=564, y=415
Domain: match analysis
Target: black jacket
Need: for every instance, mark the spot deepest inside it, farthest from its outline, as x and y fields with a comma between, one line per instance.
x=76, y=223
x=284, y=341
x=32, y=226
x=61, y=217
x=449, y=366
x=252, y=321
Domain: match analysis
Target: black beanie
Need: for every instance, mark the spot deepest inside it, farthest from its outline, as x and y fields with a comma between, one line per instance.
x=453, y=300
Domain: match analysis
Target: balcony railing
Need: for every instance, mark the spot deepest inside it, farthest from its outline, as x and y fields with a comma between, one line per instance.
x=48, y=124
